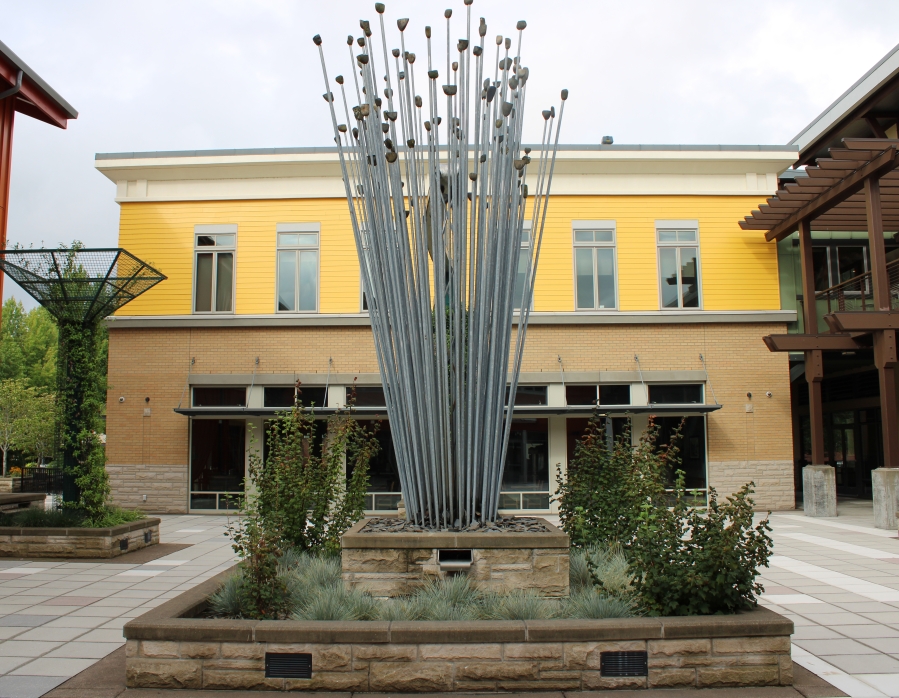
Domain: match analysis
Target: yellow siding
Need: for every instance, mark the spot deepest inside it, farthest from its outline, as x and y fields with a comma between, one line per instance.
x=738, y=268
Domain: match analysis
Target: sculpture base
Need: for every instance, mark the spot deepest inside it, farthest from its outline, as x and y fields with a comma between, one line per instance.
x=395, y=564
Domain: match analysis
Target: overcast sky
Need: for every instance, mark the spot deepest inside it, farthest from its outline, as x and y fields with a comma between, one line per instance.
x=195, y=74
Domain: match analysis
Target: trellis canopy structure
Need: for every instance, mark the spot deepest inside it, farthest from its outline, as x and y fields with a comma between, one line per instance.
x=80, y=285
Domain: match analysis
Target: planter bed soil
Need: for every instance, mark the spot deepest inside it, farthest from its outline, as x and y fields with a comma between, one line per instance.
x=75, y=542
x=172, y=647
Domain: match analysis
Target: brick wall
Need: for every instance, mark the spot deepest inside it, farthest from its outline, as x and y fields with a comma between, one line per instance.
x=147, y=452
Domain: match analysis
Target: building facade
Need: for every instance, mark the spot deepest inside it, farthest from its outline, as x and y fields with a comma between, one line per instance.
x=649, y=297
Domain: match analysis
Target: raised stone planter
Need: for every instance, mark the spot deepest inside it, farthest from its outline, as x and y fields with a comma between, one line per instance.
x=78, y=542
x=170, y=647
x=11, y=503
x=393, y=564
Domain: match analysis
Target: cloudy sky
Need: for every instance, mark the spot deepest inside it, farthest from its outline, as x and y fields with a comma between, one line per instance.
x=195, y=74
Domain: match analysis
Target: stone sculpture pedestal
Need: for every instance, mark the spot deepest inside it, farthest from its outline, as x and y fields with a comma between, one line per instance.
x=819, y=490
x=885, y=482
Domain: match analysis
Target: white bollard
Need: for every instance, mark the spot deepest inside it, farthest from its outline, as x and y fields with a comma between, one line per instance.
x=885, y=483
x=819, y=490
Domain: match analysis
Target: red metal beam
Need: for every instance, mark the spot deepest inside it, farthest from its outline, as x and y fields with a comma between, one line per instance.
x=31, y=100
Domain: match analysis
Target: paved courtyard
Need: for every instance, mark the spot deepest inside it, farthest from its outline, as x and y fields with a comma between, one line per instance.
x=837, y=579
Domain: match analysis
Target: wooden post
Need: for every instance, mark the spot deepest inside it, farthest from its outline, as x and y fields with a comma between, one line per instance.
x=7, y=118
x=884, y=340
x=814, y=360
x=876, y=246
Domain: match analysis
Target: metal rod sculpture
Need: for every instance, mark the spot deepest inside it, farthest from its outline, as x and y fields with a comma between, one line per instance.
x=439, y=221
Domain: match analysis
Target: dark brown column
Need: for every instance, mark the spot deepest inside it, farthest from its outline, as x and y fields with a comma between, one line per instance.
x=7, y=117
x=814, y=360
x=884, y=340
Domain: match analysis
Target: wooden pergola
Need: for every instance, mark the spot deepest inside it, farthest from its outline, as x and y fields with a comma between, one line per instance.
x=856, y=188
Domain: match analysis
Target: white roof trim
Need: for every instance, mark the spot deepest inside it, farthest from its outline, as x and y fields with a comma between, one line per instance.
x=884, y=70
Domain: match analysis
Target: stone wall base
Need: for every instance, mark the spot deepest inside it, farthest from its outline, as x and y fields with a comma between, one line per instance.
x=462, y=667
x=164, y=485
x=774, y=489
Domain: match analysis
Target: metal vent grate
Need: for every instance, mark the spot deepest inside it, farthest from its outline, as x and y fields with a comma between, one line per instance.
x=123, y=544
x=623, y=664
x=288, y=666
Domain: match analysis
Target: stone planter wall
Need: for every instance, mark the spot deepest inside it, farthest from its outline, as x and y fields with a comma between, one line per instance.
x=167, y=648
x=393, y=564
x=78, y=542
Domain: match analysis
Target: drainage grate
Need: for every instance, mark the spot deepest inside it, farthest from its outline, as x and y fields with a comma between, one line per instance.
x=623, y=664
x=288, y=666
x=123, y=544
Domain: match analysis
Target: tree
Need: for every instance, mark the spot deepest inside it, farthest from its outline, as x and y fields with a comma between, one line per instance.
x=15, y=403
x=28, y=343
x=36, y=433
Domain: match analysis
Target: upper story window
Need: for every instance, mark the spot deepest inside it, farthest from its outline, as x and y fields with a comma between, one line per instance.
x=594, y=265
x=522, y=269
x=608, y=394
x=286, y=396
x=676, y=394
x=220, y=397
x=679, y=285
x=298, y=267
x=214, y=268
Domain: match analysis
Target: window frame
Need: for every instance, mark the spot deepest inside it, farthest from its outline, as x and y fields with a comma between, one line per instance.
x=298, y=228
x=678, y=226
x=204, y=230
x=595, y=226
x=524, y=244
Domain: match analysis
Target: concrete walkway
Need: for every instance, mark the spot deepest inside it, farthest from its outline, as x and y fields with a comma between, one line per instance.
x=59, y=618
x=837, y=579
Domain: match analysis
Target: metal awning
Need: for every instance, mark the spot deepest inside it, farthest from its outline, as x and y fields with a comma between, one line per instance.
x=520, y=411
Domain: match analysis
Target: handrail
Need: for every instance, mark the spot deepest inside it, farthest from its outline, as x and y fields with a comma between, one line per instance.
x=859, y=291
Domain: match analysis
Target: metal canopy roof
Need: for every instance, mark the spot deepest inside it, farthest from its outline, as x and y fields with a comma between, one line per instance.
x=35, y=98
x=832, y=195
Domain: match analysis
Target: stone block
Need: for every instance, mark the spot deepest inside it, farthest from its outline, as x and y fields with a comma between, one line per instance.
x=498, y=671
x=243, y=650
x=363, y=654
x=533, y=650
x=330, y=681
x=223, y=679
x=541, y=684
x=751, y=645
x=200, y=650
x=885, y=483
x=670, y=678
x=234, y=664
x=461, y=651
x=671, y=648
x=163, y=673
x=738, y=676
x=132, y=648
x=786, y=670
x=591, y=680
x=409, y=677
x=819, y=490
x=160, y=649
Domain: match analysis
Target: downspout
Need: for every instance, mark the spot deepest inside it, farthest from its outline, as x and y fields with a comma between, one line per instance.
x=14, y=89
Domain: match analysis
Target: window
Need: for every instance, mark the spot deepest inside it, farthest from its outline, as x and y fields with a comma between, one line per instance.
x=675, y=394
x=692, y=447
x=217, y=457
x=286, y=396
x=220, y=397
x=594, y=265
x=609, y=394
x=521, y=273
x=678, y=267
x=528, y=394
x=298, y=267
x=214, y=268
x=369, y=396
x=526, y=475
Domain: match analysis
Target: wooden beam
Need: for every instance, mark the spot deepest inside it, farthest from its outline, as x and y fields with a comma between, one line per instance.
x=863, y=322
x=885, y=358
x=848, y=186
x=814, y=375
x=806, y=260
x=874, y=211
x=875, y=127
x=810, y=342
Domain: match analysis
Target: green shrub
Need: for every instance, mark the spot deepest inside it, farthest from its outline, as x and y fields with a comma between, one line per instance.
x=69, y=517
x=579, y=576
x=610, y=570
x=337, y=603
x=604, y=488
x=696, y=562
x=302, y=494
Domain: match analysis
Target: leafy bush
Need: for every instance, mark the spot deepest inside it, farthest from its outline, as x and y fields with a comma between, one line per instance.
x=672, y=560
x=302, y=493
x=69, y=518
x=604, y=487
x=693, y=562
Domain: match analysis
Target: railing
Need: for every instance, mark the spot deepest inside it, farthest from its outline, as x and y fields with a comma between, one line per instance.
x=856, y=294
x=46, y=480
